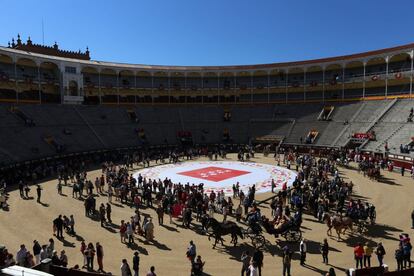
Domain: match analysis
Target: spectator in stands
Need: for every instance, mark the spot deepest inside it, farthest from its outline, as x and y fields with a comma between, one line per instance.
x=410, y=116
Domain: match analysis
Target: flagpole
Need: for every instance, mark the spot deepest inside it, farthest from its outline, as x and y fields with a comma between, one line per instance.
x=43, y=33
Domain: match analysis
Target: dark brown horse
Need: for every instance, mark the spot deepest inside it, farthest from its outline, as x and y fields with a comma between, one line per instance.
x=223, y=229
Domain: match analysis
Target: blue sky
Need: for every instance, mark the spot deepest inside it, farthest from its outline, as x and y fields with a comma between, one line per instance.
x=212, y=32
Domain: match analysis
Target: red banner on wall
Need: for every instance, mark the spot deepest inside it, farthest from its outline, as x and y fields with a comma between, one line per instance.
x=359, y=135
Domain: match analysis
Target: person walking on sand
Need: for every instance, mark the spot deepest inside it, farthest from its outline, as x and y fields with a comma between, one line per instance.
x=39, y=192
x=245, y=258
x=135, y=263
x=325, y=251
x=302, y=250
x=99, y=256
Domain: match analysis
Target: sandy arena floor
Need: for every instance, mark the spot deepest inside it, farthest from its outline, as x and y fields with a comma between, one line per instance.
x=28, y=220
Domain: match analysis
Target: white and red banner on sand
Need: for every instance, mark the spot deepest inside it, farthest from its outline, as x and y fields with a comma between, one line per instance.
x=221, y=175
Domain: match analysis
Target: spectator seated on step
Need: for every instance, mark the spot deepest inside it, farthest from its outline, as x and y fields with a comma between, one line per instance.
x=410, y=116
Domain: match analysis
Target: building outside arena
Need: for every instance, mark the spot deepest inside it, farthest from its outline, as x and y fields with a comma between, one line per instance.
x=300, y=167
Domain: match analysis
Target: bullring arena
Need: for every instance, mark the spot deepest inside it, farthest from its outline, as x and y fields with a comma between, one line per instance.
x=27, y=221
x=300, y=146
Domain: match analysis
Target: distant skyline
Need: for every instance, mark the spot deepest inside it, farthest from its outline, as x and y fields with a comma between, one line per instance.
x=214, y=32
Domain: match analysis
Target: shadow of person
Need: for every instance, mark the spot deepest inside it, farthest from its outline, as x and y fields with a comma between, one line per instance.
x=140, y=249
x=169, y=228
x=156, y=244
x=66, y=243
x=317, y=270
x=235, y=252
x=388, y=181
x=110, y=229
x=78, y=237
x=44, y=204
x=383, y=231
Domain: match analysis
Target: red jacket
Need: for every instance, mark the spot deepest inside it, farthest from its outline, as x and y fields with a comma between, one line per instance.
x=358, y=251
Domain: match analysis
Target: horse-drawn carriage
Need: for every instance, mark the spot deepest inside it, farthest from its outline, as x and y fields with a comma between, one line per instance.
x=362, y=217
x=370, y=169
x=255, y=235
x=289, y=230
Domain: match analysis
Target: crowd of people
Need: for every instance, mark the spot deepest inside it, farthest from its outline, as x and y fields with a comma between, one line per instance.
x=318, y=190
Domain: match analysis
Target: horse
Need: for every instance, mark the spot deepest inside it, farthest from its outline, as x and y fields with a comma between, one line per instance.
x=339, y=223
x=222, y=229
